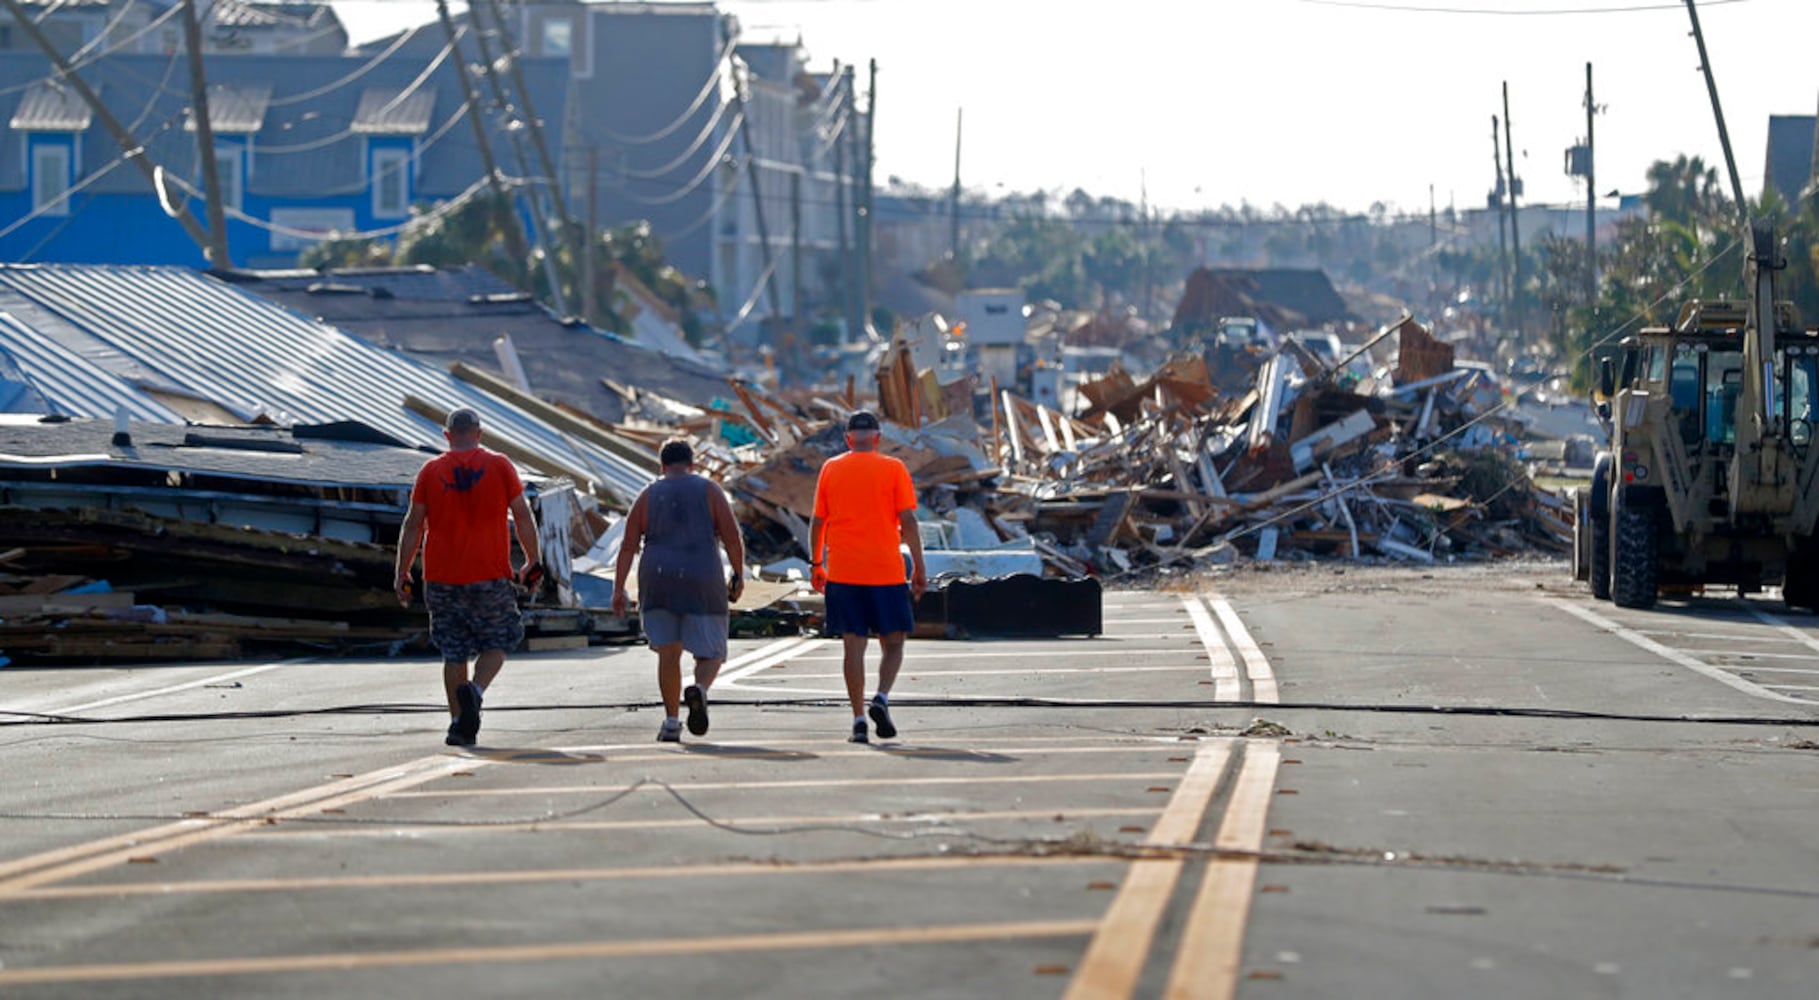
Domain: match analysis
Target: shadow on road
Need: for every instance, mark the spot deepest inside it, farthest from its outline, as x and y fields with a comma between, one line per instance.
x=761, y=753
x=560, y=758
x=947, y=754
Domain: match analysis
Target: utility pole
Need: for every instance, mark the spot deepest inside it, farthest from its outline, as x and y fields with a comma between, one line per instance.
x=1724, y=135
x=535, y=123
x=751, y=173
x=953, y=203
x=491, y=68
x=130, y=145
x=590, y=297
x=842, y=198
x=1509, y=153
x=795, y=247
x=866, y=213
x=205, y=140
x=1502, y=194
x=1591, y=197
x=514, y=232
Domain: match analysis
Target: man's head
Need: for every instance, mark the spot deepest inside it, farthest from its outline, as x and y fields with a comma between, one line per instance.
x=862, y=431
x=462, y=428
x=676, y=455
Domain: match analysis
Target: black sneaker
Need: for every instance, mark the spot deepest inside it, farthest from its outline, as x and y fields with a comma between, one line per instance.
x=669, y=732
x=881, y=717
x=859, y=735
x=696, y=700
x=467, y=724
x=455, y=739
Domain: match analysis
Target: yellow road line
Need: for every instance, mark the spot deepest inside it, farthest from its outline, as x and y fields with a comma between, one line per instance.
x=65, y=863
x=1114, y=960
x=1224, y=668
x=704, y=786
x=471, y=954
x=1256, y=665
x=468, y=879
x=1211, y=951
x=406, y=827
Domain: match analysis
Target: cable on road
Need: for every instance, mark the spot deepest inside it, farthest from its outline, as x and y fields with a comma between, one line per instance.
x=12, y=719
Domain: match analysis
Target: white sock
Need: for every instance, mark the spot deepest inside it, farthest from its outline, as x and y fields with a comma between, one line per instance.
x=882, y=697
x=858, y=720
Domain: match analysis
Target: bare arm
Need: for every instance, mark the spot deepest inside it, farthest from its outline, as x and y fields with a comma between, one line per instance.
x=727, y=527
x=906, y=522
x=525, y=523
x=628, y=550
x=410, y=541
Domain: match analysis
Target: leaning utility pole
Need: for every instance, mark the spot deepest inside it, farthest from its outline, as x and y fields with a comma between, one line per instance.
x=1724, y=135
x=1502, y=194
x=534, y=123
x=134, y=150
x=953, y=202
x=1509, y=153
x=514, y=232
x=205, y=139
x=1591, y=198
x=842, y=195
x=491, y=69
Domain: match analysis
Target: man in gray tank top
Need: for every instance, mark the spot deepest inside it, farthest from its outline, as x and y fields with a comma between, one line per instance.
x=683, y=591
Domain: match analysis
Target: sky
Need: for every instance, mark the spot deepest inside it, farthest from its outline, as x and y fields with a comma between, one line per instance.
x=1202, y=103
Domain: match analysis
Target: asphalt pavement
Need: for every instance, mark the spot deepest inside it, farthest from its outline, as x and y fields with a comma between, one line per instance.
x=1311, y=781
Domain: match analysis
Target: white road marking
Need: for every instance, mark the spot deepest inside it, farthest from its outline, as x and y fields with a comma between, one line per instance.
x=1256, y=665
x=1752, y=655
x=917, y=656
x=1670, y=654
x=1224, y=669
x=1721, y=636
x=769, y=656
x=927, y=674
x=1781, y=625
x=174, y=688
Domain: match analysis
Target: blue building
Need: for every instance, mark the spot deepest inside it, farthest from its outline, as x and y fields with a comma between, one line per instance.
x=305, y=145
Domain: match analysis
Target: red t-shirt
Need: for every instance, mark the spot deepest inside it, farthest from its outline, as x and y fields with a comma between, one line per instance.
x=466, y=496
x=859, y=497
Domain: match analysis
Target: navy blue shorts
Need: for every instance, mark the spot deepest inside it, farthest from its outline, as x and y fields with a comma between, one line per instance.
x=862, y=609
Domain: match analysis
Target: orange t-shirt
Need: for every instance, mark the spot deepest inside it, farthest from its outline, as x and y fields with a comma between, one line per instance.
x=466, y=495
x=859, y=497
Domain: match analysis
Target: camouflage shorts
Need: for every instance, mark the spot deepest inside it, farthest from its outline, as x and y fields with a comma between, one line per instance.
x=470, y=618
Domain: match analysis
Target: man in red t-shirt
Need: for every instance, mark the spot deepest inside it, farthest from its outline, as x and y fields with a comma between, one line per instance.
x=865, y=508
x=458, y=518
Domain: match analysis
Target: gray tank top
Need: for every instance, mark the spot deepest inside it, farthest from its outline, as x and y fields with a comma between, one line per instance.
x=679, y=570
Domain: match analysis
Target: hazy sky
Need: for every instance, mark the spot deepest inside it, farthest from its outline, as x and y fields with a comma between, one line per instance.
x=1290, y=101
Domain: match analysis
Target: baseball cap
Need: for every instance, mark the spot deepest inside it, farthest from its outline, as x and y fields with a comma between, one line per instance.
x=862, y=420
x=462, y=418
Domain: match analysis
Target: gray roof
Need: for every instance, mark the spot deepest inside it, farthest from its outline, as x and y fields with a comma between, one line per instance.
x=235, y=109
x=394, y=111
x=197, y=335
x=51, y=107
x=455, y=314
x=305, y=107
x=261, y=454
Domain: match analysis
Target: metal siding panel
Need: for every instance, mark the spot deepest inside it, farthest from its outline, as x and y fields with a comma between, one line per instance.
x=70, y=383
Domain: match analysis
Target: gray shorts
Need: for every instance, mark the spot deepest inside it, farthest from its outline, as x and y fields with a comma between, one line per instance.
x=702, y=636
x=470, y=618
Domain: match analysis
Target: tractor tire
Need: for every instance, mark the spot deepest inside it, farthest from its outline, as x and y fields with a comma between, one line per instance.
x=1600, y=568
x=1635, y=557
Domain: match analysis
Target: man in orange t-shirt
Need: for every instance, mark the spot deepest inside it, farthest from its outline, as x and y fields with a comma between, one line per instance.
x=865, y=507
x=458, y=518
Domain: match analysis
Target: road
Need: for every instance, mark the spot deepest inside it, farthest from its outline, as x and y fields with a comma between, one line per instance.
x=1312, y=781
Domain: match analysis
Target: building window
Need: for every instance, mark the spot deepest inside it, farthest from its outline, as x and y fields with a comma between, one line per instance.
x=558, y=37
x=230, y=169
x=391, y=183
x=50, y=179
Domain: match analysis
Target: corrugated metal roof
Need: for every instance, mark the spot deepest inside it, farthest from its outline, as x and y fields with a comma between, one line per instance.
x=235, y=109
x=68, y=383
x=51, y=107
x=391, y=111
x=256, y=359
